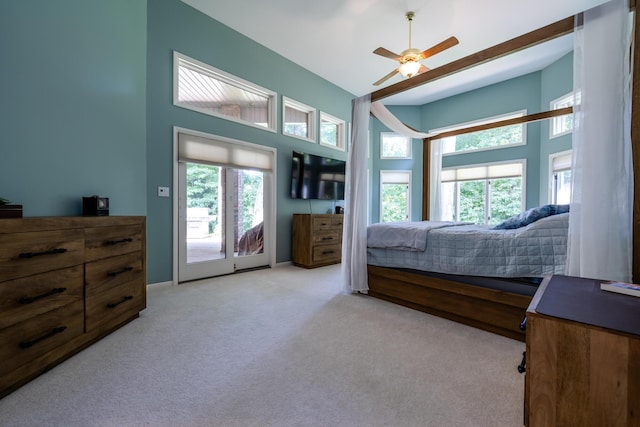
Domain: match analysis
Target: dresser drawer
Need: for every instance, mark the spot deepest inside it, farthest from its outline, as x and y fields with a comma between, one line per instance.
x=325, y=253
x=336, y=222
x=25, y=341
x=109, y=308
x=31, y=296
x=322, y=223
x=25, y=254
x=102, y=275
x=326, y=237
x=104, y=242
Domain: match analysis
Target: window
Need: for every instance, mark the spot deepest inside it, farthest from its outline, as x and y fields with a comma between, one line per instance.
x=332, y=131
x=203, y=88
x=298, y=120
x=395, y=195
x=483, y=194
x=485, y=139
x=394, y=146
x=560, y=179
x=563, y=124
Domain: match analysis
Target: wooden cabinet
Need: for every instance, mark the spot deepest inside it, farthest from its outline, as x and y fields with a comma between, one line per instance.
x=583, y=356
x=65, y=282
x=317, y=239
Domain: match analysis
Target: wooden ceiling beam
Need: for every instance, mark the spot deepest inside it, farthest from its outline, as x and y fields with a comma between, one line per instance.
x=524, y=41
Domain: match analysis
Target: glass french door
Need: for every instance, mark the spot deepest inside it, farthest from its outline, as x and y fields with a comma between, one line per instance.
x=221, y=217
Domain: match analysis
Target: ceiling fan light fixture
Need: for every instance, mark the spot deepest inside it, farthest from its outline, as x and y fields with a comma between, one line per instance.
x=409, y=68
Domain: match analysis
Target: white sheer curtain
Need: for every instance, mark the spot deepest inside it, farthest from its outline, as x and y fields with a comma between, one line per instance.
x=354, y=234
x=354, y=240
x=600, y=221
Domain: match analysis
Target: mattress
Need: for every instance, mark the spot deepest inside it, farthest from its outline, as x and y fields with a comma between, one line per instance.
x=535, y=250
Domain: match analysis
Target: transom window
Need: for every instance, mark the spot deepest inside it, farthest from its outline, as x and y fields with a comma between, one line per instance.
x=483, y=194
x=505, y=136
x=563, y=125
x=200, y=87
x=332, y=131
x=395, y=195
x=394, y=146
x=298, y=120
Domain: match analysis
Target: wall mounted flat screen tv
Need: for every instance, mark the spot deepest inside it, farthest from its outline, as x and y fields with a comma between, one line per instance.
x=317, y=177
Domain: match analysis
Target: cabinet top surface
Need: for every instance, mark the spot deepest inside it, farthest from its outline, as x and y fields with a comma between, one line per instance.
x=16, y=225
x=582, y=300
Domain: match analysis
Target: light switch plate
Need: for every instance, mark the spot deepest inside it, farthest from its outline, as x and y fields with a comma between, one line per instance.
x=163, y=191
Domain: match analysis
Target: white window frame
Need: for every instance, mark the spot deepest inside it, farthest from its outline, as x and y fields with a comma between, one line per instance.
x=553, y=171
x=305, y=109
x=407, y=141
x=488, y=177
x=492, y=119
x=206, y=69
x=556, y=122
x=394, y=178
x=340, y=131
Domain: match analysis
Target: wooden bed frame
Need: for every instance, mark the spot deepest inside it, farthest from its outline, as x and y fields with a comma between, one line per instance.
x=492, y=310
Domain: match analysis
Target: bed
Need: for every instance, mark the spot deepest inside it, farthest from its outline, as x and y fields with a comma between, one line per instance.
x=469, y=273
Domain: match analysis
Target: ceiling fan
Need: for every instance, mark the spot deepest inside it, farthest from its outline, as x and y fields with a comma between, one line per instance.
x=410, y=58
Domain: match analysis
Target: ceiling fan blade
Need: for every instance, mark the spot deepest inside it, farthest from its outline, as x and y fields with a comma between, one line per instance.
x=443, y=45
x=387, y=53
x=387, y=77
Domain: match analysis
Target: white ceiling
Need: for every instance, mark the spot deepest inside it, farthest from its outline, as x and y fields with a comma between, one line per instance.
x=335, y=38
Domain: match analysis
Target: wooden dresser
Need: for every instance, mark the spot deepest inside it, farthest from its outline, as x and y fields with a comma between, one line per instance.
x=583, y=356
x=65, y=282
x=317, y=239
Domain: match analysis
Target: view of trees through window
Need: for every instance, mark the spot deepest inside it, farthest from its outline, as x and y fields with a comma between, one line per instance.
x=204, y=190
x=489, y=138
x=394, y=202
x=484, y=201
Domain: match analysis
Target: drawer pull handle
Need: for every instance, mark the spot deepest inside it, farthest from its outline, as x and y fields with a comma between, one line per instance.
x=327, y=238
x=327, y=252
x=54, y=331
x=34, y=254
x=115, y=273
x=29, y=300
x=115, y=304
x=116, y=242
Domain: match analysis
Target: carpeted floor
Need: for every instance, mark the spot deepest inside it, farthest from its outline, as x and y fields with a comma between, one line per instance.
x=279, y=347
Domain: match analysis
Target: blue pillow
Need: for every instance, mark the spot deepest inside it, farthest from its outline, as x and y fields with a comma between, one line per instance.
x=532, y=215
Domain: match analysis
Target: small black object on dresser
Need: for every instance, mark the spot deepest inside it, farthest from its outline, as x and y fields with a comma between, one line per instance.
x=95, y=206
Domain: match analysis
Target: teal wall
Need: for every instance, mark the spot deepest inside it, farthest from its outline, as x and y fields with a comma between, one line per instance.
x=73, y=85
x=172, y=25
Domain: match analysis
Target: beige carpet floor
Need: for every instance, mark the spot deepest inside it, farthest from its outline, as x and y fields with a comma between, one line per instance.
x=279, y=347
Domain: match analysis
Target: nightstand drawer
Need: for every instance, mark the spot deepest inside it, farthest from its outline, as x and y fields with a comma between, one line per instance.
x=25, y=341
x=323, y=253
x=327, y=237
x=31, y=296
x=322, y=223
x=25, y=254
x=104, y=242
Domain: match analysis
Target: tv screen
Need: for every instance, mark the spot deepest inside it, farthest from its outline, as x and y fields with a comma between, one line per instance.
x=317, y=177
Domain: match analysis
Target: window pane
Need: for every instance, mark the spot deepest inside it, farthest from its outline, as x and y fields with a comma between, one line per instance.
x=506, y=199
x=472, y=205
x=448, y=201
x=394, y=202
x=329, y=133
x=295, y=122
x=203, y=88
x=489, y=138
x=395, y=146
x=562, y=190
